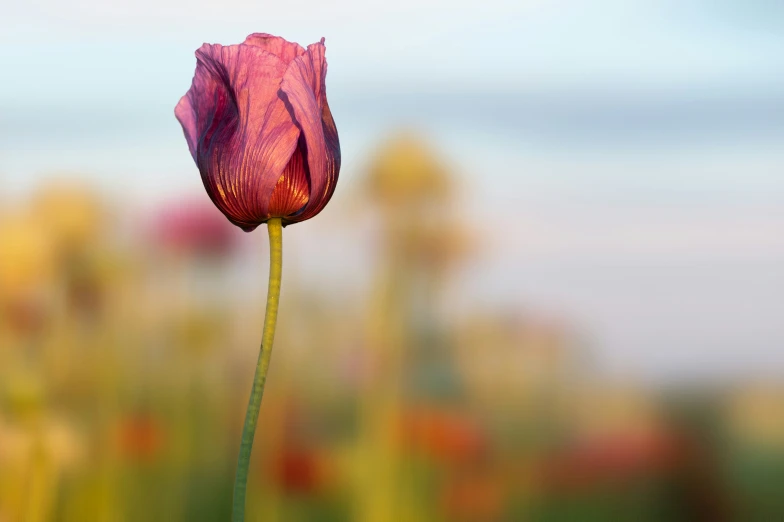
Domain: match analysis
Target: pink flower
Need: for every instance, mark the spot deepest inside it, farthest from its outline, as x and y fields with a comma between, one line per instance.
x=194, y=228
x=259, y=128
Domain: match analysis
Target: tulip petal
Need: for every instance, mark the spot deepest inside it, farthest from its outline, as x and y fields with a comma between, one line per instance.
x=291, y=193
x=186, y=115
x=304, y=86
x=238, y=129
x=276, y=45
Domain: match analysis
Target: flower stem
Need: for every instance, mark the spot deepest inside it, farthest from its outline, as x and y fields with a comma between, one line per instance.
x=275, y=229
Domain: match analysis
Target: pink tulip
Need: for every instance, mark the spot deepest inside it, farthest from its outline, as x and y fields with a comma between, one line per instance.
x=259, y=128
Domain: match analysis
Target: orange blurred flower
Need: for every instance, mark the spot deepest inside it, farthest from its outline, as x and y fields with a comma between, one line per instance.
x=140, y=437
x=446, y=437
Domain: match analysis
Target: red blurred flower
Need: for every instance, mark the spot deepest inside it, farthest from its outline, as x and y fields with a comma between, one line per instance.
x=300, y=470
x=610, y=459
x=259, y=128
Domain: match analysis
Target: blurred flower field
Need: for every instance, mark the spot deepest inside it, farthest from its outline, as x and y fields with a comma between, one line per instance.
x=127, y=344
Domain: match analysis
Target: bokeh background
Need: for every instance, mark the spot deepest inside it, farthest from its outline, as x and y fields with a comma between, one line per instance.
x=549, y=286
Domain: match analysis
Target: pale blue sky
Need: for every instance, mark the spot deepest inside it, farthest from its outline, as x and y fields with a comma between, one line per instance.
x=72, y=50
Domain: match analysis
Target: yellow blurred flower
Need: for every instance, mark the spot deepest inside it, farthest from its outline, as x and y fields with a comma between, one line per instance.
x=55, y=440
x=405, y=170
x=28, y=260
x=22, y=394
x=756, y=417
x=72, y=212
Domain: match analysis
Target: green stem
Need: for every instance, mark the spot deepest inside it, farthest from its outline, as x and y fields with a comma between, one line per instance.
x=275, y=230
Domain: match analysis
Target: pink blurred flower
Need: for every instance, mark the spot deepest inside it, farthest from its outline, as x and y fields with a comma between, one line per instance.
x=259, y=128
x=194, y=228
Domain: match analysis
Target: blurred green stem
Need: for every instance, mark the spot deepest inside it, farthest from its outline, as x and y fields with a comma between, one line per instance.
x=275, y=229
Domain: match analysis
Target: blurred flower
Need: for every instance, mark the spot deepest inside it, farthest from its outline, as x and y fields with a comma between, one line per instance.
x=446, y=437
x=64, y=444
x=56, y=441
x=613, y=459
x=73, y=213
x=28, y=260
x=406, y=172
x=15, y=445
x=194, y=228
x=27, y=272
x=140, y=437
x=85, y=290
x=23, y=394
x=299, y=470
x=76, y=218
x=756, y=417
x=473, y=496
x=259, y=128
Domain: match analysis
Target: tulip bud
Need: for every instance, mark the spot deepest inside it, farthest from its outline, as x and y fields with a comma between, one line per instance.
x=259, y=128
